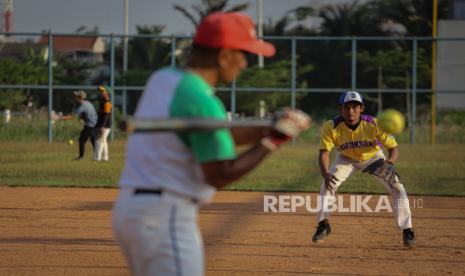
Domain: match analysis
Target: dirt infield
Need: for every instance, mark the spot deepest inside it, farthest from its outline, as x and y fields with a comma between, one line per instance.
x=52, y=231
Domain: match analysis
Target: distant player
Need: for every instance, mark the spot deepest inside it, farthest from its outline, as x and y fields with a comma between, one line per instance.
x=167, y=175
x=103, y=126
x=359, y=142
x=85, y=112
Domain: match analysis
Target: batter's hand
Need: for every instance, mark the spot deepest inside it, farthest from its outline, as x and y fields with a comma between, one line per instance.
x=274, y=140
x=330, y=181
x=291, y=122
x=288, y=124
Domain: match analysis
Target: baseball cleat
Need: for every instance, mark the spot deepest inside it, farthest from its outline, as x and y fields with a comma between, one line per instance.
x=322, y=231
x=409, y=237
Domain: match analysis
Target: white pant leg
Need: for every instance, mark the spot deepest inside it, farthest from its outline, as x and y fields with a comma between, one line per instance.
x=101, y=145
x=106, y=132
x=399, y=196
x=342, y=168
x=158, y=234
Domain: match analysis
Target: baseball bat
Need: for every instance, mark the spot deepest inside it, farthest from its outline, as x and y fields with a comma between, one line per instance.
x=132, y=125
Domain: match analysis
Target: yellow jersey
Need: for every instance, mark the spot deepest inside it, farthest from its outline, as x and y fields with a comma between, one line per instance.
x=360, y=144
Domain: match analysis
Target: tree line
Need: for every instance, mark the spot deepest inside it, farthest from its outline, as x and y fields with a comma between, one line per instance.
x=320, y=63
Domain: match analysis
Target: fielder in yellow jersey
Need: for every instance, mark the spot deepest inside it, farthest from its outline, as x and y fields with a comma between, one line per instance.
x=360, y=144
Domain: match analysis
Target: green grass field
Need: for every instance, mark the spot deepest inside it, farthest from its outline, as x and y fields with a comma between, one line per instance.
x=425, y=169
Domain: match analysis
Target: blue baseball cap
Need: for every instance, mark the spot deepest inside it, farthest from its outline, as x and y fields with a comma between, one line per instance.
x=350, y=96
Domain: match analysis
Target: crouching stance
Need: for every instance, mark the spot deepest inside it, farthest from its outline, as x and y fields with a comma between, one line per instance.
x=359, y=143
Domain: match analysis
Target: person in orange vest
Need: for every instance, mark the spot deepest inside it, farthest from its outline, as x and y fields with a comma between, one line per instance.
x=103, y=126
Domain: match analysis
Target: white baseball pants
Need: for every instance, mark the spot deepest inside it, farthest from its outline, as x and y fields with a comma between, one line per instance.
x=158, y=234
x=344, y=167
x=101, y=145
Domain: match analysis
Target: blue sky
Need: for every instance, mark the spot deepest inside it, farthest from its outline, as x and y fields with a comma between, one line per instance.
x=65, y=16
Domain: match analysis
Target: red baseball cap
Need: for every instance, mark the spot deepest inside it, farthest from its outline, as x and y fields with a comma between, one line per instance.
x=232, y=30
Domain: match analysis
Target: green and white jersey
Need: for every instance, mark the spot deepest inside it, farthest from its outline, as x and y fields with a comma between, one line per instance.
x=172, y=161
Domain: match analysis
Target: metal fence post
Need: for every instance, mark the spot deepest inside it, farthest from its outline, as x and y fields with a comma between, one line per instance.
x=112, y=84
x=353, y=72
x=233, y=99
x=173, y=51
x=125, y=69
x=293, y=72
x=50, y=86
x=414, y=90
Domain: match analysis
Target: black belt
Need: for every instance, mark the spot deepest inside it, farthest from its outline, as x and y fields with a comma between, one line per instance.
x=146, y=191
x=140, y=191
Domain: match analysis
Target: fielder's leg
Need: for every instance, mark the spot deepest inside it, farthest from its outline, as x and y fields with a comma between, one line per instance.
x=401, y=210
x=105, y=153
x=342, y=168
x=400, y=200
x=401, y=204
x=98, y=148
x=93, y=136
x=83, y=137
x=101, y=145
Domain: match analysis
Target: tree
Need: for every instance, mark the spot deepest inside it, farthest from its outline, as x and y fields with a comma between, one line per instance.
x=145, y=54
x=392, y=69
x=68, y=71
x=331, y=59
x=277, y=28
x=11, y=72
x=350, y=19
x=345, y=19
x=395, y=62
x=149, y=53
x=31, y=70
x=209, y=6
x=414, y=15
x=276, y=74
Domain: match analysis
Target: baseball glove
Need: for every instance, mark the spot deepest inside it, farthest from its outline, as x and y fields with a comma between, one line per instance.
x=384, y=170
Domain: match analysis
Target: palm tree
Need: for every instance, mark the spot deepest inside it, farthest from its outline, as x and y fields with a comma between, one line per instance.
x=350, y=19
x=414, y=15
x=149, y=53
x=209, y=6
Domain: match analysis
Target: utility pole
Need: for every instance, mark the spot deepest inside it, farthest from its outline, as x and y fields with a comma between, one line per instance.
x=125, y=54
x=433, y=72
x=260, y=27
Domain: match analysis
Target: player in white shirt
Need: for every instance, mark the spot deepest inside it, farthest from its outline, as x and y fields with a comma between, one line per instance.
x=167, y=175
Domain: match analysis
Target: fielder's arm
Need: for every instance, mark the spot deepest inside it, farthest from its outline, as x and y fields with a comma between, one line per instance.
x=323, y=161
x=67, y=117
x=393, y=155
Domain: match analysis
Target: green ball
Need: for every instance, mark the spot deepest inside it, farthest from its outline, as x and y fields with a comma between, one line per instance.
x=391, y=121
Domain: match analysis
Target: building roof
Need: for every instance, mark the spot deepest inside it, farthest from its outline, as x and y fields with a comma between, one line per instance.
x=70, y=43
